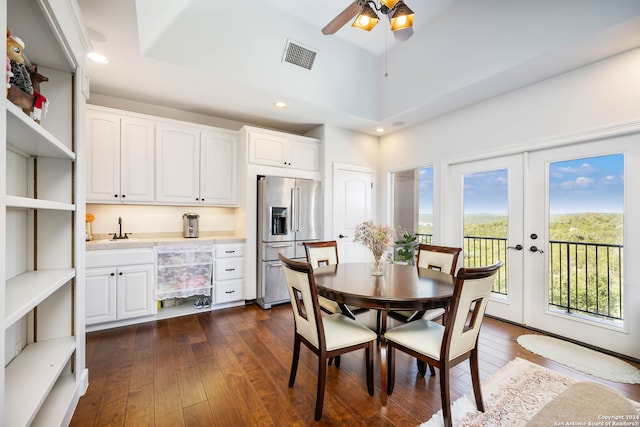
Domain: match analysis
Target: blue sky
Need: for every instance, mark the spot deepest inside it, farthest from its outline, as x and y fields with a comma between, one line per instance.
x=593, y=184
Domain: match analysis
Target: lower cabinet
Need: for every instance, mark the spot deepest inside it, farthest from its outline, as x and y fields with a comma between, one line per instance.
x=228, y=284
x=118, y=287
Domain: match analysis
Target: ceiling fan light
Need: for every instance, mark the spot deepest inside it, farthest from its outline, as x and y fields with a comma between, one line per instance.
x=401, y=17
x=389, y=3
x=366, y=19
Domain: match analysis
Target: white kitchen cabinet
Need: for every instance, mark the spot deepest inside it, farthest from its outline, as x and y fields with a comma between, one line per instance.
x=120, y=285
x=218, y=168
x=228, y=277
x=196, y=166
x=284, y=150
x=42, y=219
x=120, y=157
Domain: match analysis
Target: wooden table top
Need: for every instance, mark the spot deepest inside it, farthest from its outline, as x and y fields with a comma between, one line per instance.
x=402, y=287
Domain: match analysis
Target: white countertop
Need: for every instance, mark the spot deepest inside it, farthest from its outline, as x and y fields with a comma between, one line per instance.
x=149, y=241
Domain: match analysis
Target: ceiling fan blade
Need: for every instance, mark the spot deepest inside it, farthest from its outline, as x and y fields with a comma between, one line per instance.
x=342, y=18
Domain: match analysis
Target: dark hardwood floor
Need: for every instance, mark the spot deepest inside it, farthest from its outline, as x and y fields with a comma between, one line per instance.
x=231, y=368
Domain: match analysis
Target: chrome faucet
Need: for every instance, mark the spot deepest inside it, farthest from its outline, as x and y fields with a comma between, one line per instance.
x=118, y=236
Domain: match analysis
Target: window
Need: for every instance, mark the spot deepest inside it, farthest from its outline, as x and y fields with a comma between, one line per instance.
x=413, y=202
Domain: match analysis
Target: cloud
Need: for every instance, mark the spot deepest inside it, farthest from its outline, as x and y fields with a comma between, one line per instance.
x=580, y=183
x=582, y=169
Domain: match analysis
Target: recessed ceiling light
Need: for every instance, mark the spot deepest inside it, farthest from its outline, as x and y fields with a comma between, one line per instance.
x=380, y=130
x=280, y=104
x=97, y=57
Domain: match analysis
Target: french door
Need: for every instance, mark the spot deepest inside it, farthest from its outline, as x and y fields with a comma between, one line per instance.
x=562, y=220
x=487, y=225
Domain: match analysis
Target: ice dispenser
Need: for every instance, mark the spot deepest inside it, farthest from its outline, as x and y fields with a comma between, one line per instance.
x=278, y=221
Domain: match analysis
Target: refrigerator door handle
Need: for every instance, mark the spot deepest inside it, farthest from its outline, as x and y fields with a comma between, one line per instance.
x=281, y=245
x=276, y=264
x=295, y=209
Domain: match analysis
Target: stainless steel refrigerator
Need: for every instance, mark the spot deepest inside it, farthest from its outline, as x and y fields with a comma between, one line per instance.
x=289, y=213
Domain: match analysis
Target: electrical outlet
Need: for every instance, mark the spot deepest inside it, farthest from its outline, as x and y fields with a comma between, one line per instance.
x=18, y=347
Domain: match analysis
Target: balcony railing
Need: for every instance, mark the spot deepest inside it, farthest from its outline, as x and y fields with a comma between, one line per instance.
x=584, y=278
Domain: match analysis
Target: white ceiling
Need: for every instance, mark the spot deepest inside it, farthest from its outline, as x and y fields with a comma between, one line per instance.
x=224, y=59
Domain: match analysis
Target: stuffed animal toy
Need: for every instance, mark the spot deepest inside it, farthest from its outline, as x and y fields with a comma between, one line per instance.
x=24, y=82
x=15, y=49
x=40, y=103
x=9, y=75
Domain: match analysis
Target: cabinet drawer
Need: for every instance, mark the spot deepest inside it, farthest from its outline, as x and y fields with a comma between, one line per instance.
x=230, y=250
x=228, y=269
x=118, y=257
x=228, y=291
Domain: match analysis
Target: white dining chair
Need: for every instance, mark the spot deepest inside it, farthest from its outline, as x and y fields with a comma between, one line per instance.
x=327, y=336
x=445, y=346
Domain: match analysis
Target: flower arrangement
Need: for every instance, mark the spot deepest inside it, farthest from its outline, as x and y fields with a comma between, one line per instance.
x=377, y=238
x=89, y=217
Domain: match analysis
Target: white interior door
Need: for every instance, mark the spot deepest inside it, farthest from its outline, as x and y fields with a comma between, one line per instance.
x=352, y=193
x=583, y=206
x=485, y=220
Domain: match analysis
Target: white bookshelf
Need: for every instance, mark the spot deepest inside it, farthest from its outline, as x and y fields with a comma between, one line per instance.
x=42, y=211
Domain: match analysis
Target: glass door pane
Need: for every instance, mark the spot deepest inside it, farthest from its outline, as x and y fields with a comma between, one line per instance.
x=486, y=222
x=586, y=237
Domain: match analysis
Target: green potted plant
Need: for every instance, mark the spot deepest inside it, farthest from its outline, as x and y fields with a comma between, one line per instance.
x=406, y=247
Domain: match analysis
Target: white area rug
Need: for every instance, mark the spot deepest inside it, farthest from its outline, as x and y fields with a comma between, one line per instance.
x=581, y=358
x=512, y=396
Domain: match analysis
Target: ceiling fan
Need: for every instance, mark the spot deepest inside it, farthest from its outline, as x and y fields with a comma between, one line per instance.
x=364, y=12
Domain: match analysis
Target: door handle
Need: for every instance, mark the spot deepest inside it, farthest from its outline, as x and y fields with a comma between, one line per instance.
x=516, y=247
x=535, y=249
x=342, y=236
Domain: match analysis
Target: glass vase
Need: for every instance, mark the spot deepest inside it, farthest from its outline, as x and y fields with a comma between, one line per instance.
x=377, y=267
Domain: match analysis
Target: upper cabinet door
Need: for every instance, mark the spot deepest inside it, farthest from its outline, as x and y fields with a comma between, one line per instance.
x=284, y=150
x=218, y=168
x=177, y=164
x=136, y=160
x=103, y=157
x=268, y=150
x=305, y=155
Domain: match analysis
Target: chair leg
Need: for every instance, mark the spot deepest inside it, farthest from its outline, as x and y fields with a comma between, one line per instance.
x=432, y=370
x=294, y=360
x=391, y=369
x=337, y=361
x=322, y=380
x=445, y=395
x=369, y=367
x=475, y=378
x=422, y=367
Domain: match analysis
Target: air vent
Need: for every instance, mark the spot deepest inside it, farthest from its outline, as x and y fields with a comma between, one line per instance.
x=297, y=54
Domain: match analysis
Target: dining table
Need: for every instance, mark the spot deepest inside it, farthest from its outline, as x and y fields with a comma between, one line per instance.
x=401, y=287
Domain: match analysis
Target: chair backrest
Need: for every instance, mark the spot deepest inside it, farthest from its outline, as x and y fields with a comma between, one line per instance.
x=304, y=300
x=443, y=258
x=468, y=304
x=321, y=253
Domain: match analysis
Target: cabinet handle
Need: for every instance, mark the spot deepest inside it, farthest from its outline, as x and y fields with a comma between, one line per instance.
x=202, y=200
x=229, y=292
x=112, y=274
x=120, y=274
x=197, y=199
x=229, y=252
x=124, y=195
x=115, y=195
x=229, y=269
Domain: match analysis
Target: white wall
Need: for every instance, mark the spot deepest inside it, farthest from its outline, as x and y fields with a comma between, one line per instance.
x=140, y=219
x=603, y=95
x=346, y=147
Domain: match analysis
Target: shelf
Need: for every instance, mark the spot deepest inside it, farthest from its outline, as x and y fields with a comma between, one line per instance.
x=31, y=138
x=17, y=202
x=31, y=376
x=58, y=402
x=26, y=291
